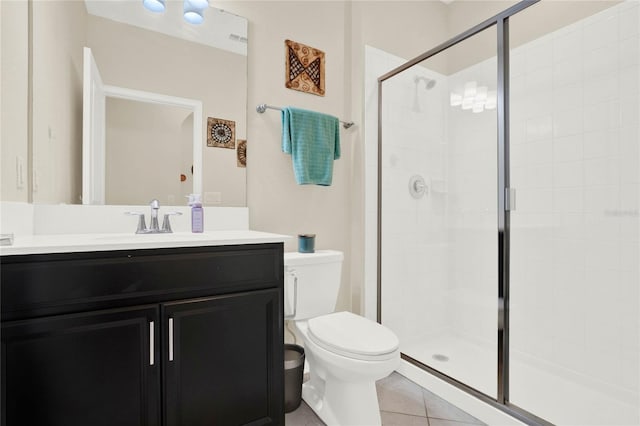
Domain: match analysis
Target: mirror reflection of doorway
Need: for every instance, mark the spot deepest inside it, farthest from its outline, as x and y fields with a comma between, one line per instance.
x=148, y=148
x=143, y=128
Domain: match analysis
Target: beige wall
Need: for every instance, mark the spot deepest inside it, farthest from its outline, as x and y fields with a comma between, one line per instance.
x=58, y=38
x=341, y=29
x=14, y=80
x=150, y=134
x=276, y=203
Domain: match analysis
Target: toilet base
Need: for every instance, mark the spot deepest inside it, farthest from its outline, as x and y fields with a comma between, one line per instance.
x=341, y=403
x=342, y=390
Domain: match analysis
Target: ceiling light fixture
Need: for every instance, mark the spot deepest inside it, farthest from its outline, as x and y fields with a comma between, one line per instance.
x=193, y=10
x=154, y=5
x=199, y=4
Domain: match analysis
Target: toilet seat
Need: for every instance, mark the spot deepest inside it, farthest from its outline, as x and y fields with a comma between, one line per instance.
x=353, y=336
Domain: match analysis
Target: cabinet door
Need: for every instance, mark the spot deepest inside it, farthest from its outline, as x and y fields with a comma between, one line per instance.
x=223, y=364
x=96, y=368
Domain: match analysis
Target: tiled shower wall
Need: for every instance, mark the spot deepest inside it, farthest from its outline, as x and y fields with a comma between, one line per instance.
x=574, y=163
x=414, y=229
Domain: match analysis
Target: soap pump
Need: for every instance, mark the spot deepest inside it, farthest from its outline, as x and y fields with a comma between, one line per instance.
x=197, y=213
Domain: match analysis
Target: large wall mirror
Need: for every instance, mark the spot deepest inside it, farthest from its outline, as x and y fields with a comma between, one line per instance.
x=135, y=49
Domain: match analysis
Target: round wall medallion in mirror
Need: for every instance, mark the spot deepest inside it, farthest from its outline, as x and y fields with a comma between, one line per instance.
x=221, y=133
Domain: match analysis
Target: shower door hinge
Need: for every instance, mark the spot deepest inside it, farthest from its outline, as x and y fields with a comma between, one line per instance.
x=509, y=199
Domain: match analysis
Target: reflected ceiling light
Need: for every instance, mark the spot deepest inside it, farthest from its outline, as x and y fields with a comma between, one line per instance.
x=154, y=5
x=193, y=11
x=473, y=97
x=193, y=16
x=455, y=99
x=481, y=93
x=199, y=4
x=478, y=107
x=470, y=89
x=492, y=100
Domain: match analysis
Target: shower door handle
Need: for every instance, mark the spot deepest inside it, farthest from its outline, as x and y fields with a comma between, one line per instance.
x=509, y=199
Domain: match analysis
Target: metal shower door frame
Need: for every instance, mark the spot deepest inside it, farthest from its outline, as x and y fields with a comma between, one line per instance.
x=501, y=21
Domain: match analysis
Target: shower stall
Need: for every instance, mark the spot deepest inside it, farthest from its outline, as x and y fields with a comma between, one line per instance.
x=508, y=210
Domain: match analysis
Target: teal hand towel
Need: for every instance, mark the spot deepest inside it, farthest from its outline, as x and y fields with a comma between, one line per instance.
x=313, y=140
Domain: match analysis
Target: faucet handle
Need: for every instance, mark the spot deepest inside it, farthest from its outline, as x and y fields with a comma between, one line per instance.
x=154, y=204
x=166, y=225
x=142, y=225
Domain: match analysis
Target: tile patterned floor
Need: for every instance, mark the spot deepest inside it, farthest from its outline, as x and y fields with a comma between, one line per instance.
x=402, y=403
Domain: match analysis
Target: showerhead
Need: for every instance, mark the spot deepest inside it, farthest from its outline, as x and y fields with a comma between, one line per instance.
x=428, y=85
x=428, y=82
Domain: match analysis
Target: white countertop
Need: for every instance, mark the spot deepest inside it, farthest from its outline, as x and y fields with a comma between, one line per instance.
x=69, y=243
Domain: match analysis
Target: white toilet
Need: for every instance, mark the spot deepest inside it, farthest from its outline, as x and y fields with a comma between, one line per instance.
x=346, y=353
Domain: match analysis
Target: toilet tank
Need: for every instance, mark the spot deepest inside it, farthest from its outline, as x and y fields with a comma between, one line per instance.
x=318, y=282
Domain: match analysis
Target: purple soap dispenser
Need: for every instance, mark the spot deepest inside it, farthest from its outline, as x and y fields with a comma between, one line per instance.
x=197, y=213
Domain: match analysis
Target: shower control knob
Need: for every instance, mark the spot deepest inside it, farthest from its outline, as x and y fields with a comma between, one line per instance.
x=417, y=186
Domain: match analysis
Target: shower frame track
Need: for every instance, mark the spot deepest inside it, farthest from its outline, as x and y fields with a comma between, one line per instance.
x=501, y=21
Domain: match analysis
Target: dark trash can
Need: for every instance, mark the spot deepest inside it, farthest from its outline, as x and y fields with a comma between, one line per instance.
x=293, y=374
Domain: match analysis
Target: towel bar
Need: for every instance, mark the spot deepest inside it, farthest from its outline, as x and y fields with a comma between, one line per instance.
x=263, y=107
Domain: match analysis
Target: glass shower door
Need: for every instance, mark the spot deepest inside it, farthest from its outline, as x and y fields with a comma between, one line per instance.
x=574, y=330
x=439, y=219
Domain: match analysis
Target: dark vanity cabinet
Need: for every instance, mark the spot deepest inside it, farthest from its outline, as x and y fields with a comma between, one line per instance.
x=80, y=369
x=173, y=337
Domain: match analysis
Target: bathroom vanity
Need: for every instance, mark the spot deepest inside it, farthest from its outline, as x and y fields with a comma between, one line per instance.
x=188, y=335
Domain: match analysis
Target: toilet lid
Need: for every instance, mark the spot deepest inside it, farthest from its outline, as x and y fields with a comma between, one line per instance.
x=353, y=336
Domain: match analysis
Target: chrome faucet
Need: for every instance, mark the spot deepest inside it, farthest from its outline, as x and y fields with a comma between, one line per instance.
x=155, y=206
x=154, y=228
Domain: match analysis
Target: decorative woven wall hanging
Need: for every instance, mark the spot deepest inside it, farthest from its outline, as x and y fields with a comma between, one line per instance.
x=241, y=153
x=221, y=133
x=304, y=68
